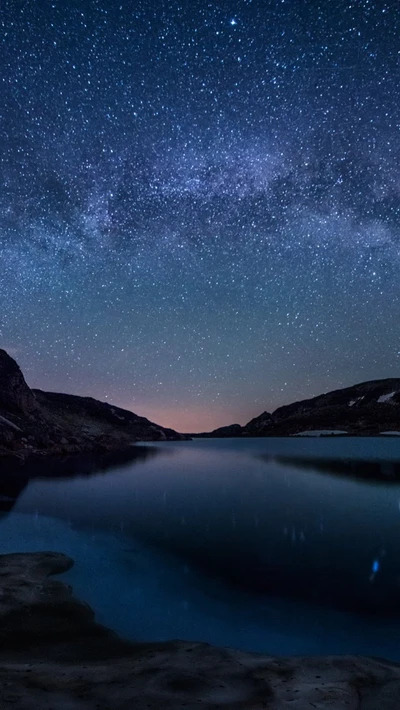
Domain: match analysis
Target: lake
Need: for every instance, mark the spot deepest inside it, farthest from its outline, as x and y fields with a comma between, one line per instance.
x=283, y=546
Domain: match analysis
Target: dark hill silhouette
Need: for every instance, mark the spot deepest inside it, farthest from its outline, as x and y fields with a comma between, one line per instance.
x=367, y=409
x=36, y=424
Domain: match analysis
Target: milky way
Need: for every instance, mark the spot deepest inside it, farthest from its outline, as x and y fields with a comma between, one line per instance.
x=200, y=203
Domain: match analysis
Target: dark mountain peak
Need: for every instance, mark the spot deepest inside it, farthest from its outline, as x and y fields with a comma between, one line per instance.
x=15, y=395
x=260, y=421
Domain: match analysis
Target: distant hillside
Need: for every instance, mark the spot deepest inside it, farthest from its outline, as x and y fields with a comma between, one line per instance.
x=40, y=424
x=223, y=432
x=367, y=409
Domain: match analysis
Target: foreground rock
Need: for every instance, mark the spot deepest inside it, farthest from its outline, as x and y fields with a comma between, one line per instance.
x=45, y=424
x=54, y=655
x=368, y=409
x=40, y=618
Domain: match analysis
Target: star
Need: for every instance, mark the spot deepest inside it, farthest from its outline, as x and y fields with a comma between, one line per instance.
x=187, y=211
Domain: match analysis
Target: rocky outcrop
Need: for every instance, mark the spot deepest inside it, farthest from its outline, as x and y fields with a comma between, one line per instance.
x=47, y=424
x=15, y=395
x=53, y=654
x=38, y=613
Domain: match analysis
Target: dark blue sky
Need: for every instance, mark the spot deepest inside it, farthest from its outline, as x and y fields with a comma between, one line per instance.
x=200, y=204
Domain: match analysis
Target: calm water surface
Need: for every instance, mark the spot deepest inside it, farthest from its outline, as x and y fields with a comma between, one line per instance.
x=275, y=545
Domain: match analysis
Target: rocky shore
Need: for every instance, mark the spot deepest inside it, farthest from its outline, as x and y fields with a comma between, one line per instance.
x=37, y=425
x=54, y=656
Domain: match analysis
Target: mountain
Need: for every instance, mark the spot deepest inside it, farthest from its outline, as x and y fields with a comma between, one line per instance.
x=367, y=409
x=222, y=432
x=259, y=423
x=41, y=424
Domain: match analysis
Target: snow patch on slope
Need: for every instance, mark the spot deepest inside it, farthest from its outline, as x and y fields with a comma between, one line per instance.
x=386, y=397
x=7, y=422
x=354, y=401
x=321, y=432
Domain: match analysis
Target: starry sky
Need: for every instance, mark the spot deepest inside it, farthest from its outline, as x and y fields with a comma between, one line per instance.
x=200, y=201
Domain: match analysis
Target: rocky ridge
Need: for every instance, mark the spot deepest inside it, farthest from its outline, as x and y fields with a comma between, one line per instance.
x=367, y=409
x=37, y=424
x=53, y=654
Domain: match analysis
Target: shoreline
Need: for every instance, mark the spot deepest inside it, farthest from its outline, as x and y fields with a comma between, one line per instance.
x=53, y=653
x=22, y=459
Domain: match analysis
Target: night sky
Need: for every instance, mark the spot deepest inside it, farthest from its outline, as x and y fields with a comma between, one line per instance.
x=200, y=202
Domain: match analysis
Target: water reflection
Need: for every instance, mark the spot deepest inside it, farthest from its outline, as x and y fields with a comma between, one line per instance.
x=226, y=541
x=15, y=479
x=267, y=525
x=372, y=471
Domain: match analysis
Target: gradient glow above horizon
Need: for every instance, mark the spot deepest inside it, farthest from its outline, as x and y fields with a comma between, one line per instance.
x=200, y=203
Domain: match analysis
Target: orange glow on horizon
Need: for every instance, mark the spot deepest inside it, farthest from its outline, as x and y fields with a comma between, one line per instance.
x=186, y=421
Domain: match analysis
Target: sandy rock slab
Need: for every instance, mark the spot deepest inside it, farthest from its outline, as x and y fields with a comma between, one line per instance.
x=54, y=656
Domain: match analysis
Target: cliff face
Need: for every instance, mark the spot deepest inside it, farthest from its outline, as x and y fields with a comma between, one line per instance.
x=15, y=395
x=35, y=423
